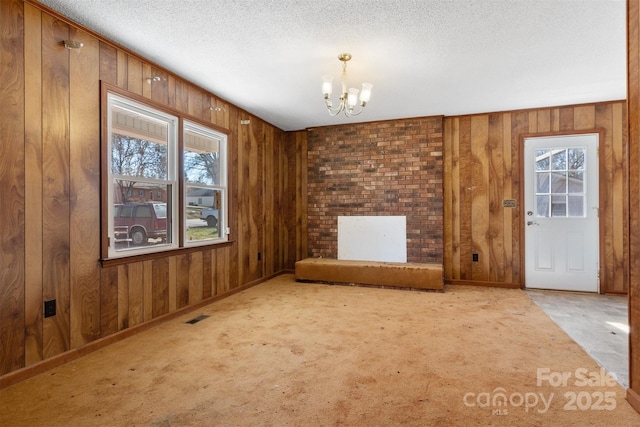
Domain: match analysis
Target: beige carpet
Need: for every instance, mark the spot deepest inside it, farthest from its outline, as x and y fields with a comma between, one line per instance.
x=298, y=354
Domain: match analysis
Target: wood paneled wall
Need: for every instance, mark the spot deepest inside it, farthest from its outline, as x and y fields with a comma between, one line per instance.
x=482, y=166
x=633, y=106
x=50, y=194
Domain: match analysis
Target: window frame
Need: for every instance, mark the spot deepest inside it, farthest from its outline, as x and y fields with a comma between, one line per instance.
x=222, y=186
x=176, y=197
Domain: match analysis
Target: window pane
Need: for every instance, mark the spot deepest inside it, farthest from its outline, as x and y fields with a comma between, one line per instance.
x=203, y=219
x=576, y=182
x=542, y=182
x=542, y=206
x=125, y=191
x=576, y=206
x=558, y=206
x=576, y=158
x=201, y=156
x=138, y=143
x=138, y=222
x=542, y=160
x=559, y=160
x=558, y=182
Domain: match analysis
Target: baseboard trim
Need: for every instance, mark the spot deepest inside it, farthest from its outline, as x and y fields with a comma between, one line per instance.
x=68, y=356
x=485, y=284
x=634, y=399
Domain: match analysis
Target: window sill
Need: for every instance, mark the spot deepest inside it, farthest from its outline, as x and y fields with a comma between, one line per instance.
x=112, y=262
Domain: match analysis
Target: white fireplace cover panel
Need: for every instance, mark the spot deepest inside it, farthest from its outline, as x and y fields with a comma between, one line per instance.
x=372, y=238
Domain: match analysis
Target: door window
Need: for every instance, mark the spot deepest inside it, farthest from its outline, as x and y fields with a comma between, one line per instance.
x=560, y=182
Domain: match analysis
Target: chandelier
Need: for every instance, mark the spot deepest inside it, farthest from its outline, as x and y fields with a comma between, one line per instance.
x=348, y=97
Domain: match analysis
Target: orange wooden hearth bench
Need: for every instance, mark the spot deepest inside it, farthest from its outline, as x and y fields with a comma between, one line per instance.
x=392, y=274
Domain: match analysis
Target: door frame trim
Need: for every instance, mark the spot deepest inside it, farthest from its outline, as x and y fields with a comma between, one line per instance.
x=521, y=187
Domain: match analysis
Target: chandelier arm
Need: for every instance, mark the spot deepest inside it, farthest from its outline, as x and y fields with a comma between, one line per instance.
x=351, y=113
x=335, y=111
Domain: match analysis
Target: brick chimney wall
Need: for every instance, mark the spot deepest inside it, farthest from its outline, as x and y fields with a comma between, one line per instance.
x=377, y=168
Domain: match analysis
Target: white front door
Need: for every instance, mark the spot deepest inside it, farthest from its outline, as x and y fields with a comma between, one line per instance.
x=561, y=212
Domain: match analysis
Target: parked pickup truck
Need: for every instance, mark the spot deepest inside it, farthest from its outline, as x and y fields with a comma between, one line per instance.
x=138, y=222
x=209, y=215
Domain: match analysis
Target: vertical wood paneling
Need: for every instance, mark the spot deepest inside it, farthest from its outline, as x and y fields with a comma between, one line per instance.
x=33, y=176
x=147, y=289
x=122, y=75
x=456, y=190
x=268, y=201
x=584, y=117
x=256, y=176
x=566, y=116
x=480, y=197
x=108, y=63
x=123, y=297
x=451, y=196
x=134, y=75
x=159, y=88
x=447, y=196
x=135, y=277
x=12, y=191
x=288, y=203
x=160, y=283
x=244, y=205
x=171, y=92
x=491, y=148
x=605, y=177
x=56, y=206
x=619, y=202
x=147, y=86
x=219, y=115
x=250, y=200
x=235, y=167
x=532, y=120
x=300, y=151
x=511, y=214
x=108, y=301
x=519, y=125
x=214, y=272
x=206, y=274
x=181, y=97
x=173, y=284
x=544, y=121
x=182, y=277
x=222, y=283
x=496, y=261
x=633, y=114
x=195, y=102
x=84, y=177
x=465, y=197
x=225, y=265
x=195, y=278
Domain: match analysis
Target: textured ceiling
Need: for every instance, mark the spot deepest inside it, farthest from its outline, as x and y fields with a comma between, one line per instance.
x=424, y=57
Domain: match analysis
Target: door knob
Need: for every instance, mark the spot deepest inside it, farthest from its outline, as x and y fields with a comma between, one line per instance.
x=531, y=223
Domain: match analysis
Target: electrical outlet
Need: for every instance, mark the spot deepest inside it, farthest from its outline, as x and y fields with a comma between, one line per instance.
x=475, y=257
x=49, y=308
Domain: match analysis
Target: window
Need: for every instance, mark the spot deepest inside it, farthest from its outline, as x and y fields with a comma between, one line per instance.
x=560, y=182
x=205, y=187
x=147, y=155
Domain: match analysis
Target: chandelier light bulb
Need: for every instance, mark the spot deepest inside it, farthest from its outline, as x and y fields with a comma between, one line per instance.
x=327, y=86
x=365, y=93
